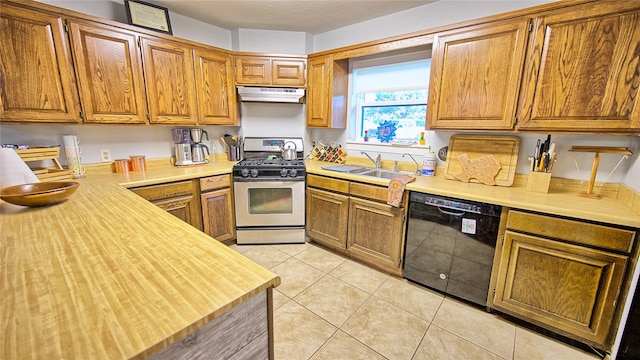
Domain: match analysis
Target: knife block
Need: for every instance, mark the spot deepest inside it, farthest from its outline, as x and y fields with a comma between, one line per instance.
x=539, y=182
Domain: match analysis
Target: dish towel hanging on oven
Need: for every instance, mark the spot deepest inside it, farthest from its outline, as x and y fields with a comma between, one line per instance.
x=396, y=189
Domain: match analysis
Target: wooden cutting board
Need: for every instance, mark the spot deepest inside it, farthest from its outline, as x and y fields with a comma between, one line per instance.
x=477, y=162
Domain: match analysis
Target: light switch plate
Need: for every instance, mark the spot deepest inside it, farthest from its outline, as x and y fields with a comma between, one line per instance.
x=105, y=155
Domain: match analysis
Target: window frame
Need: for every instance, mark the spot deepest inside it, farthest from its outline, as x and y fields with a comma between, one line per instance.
x=360, y=105
x=356, y=100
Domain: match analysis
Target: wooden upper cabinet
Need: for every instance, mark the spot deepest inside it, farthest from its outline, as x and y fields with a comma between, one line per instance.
x=37, y=83
x=475, y=76
x=170, y=82
x=109, y=74
x=582, y=72
x=267, y=71
x=215, y=88
x=318, y=92
x=253, y=71
x=327, y=92
x=288, y=72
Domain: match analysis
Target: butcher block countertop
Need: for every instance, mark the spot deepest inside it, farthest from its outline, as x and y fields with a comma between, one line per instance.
x=561, y=200
x=108, y=275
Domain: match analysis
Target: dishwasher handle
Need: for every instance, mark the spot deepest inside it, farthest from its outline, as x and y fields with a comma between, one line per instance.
x=451, y=212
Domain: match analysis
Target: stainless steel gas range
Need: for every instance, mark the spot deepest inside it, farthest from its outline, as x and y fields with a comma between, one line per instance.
x=269, y=192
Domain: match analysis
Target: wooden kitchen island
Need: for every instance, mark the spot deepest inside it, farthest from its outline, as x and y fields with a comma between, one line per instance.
x=108, y=275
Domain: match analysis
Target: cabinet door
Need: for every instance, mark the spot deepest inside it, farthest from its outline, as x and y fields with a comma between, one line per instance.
x=288, y=72
x=327, y=92
x=216, y=91
x=376, y=232
x=178, y=199
x=37, y=83
x=582, y=70
x=170, y=82
x=327, y=217
x=218, y=217
x=253, y=70
x=475, y=76
x=570, y=289
x=319, y=92
x=109, y=74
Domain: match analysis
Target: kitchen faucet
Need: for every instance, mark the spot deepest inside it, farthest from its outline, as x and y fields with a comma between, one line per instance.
x=377, y=161
x=414, y=160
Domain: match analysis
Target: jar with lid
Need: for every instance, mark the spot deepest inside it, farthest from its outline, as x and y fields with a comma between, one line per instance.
x=429, y=164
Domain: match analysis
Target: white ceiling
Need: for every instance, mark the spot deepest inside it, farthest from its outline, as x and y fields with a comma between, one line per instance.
x=311, y=16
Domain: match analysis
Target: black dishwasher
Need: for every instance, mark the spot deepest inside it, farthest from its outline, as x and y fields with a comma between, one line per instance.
x=450, y=245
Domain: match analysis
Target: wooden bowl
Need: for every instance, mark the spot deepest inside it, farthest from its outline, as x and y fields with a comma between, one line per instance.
x=39, y=194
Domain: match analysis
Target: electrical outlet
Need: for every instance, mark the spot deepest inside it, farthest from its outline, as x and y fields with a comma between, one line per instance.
x=105, y=155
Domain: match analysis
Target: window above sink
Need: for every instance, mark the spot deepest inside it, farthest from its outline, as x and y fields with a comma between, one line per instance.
x=389, y=93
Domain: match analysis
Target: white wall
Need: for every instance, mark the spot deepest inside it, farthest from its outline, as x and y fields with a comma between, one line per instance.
x=182, y=26
x=270, y=41
x=432, y=15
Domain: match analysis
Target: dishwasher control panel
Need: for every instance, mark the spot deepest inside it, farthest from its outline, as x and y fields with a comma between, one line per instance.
x=455, y=204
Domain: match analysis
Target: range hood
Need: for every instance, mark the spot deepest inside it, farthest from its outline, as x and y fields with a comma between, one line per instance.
x=271, y=94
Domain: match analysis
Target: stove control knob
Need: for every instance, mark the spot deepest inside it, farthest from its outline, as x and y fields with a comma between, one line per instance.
x=244, y=173
x=254, y=172
x=293, y=172
x=284, y=172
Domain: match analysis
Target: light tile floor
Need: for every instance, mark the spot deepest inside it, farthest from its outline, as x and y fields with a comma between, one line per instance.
x=329, y=307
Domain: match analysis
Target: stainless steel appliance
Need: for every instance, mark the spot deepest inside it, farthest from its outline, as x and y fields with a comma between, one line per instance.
x=197, y=153
x=188, y=147
x=269, y=193
x=270, y=94
x=450, y=245
x=182, y=146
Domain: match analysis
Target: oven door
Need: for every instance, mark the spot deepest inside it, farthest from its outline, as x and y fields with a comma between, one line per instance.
x=269, y=203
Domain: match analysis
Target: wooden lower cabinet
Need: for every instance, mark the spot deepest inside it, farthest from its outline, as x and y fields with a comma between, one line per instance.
x=218, y=215
x=178, y=198
x=563, y=275
x=353, y=218
x=327, y=219
x=376, y=234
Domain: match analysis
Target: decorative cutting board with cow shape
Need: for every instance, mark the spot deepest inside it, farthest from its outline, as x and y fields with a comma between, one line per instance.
x=489, y=160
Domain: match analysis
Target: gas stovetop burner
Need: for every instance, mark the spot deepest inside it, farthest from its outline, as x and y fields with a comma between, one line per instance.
x=255, y=169
x=264, y=161
x=275, y=163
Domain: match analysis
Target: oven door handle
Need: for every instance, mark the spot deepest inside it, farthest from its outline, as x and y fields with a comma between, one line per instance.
x=450, y=212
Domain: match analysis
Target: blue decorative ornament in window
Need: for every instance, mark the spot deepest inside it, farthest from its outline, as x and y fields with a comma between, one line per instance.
x=387, y=131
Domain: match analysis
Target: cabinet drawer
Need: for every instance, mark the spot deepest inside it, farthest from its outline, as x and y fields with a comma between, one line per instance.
x=328, y=183
x=570, y=230
x=379, y=193
x=215, y=182
x=164, y=191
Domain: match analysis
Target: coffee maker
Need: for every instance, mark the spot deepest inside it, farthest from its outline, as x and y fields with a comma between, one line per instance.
x=197, y=148
x=182, y=146
x=188, y=146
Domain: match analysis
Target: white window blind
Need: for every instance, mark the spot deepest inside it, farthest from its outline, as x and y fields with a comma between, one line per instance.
x=412, y=75
x=409, y=71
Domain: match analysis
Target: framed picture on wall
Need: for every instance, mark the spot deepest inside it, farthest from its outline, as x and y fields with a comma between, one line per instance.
x=148, y=16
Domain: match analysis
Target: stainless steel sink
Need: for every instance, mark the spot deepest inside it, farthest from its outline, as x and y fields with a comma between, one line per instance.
x=381, y=173
x=365, y=171
x=360, y=170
